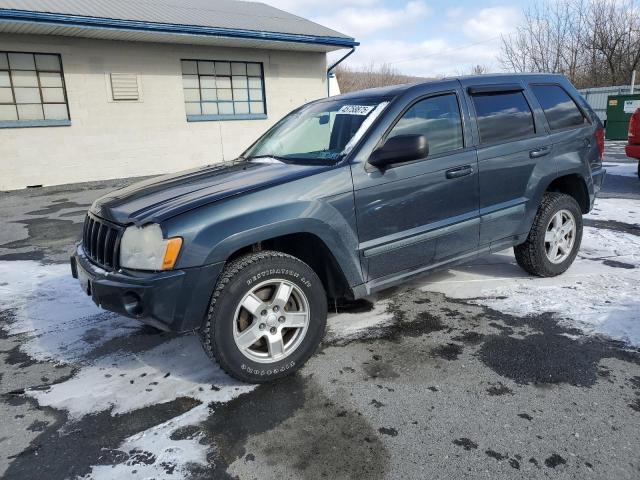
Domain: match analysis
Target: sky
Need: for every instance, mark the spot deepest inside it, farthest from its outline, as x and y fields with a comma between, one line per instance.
x=417, y=37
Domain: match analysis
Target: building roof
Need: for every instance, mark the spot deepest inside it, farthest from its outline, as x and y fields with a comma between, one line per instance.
x=149, y=19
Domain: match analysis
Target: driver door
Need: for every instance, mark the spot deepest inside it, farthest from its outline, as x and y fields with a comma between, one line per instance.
x=414, y=214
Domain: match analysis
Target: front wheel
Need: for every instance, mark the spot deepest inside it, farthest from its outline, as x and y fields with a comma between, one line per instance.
x=554, y=238
x=266, y=318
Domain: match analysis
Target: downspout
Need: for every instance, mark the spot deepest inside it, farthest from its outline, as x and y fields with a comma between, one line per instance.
x=353, y=49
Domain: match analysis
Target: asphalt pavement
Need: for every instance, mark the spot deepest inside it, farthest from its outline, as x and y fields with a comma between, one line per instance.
x=468, y=373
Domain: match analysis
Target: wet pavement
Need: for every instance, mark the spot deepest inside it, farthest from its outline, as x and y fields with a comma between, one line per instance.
x=474, y=372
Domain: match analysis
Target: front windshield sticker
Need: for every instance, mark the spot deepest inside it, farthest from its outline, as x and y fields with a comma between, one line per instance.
x=355, y=109
x=364, y=127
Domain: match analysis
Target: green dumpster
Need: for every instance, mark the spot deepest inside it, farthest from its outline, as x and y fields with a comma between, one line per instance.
x=619, y=110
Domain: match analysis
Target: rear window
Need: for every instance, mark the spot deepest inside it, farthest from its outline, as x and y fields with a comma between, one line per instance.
x=503, y=116
x=559, y=108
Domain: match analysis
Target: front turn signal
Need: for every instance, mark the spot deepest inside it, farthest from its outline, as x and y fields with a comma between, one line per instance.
x=171, y=253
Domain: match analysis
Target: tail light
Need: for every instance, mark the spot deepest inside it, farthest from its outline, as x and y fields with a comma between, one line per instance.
x=634, y=128
x=600, y=141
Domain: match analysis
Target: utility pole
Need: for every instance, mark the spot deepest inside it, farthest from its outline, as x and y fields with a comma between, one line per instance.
x=633, y=81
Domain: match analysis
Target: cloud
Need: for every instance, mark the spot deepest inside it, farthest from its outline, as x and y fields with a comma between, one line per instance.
x=491, y=22
x=362, y=21
x=429, y=58
x=412, y=35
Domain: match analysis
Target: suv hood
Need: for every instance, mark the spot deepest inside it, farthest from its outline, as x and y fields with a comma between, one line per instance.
x=160, y=198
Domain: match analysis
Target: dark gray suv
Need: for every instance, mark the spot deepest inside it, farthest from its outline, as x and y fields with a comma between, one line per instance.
x=343, y=197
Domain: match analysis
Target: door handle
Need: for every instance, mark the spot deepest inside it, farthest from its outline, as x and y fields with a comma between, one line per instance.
x=459, y=172
x=539, y=152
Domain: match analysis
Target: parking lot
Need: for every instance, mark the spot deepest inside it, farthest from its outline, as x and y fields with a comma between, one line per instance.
x=476, y=372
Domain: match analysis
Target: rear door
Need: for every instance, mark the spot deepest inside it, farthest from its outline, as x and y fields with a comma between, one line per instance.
x=513, y=148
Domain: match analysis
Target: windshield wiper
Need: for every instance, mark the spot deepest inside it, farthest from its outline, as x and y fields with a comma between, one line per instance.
x=282, y=159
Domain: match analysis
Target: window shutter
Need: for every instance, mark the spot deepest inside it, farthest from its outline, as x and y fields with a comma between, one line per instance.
x=124, y=86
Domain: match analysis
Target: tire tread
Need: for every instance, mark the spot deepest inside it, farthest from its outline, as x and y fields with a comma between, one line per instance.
x=528, y=255
x=228, y=273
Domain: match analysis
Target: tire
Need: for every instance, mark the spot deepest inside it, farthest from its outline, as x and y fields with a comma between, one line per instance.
x=252, y=283
x=639, y=169
x=534, y=255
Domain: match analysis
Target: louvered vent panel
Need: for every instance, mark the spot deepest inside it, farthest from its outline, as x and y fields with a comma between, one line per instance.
x=124, y=86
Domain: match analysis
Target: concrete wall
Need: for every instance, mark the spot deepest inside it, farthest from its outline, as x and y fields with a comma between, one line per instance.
x=120, y=139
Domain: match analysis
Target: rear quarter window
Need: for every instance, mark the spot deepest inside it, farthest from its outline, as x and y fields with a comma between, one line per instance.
x=559, y=108
x=503, y=116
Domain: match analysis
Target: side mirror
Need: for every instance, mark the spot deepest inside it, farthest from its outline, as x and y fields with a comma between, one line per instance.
x=401, y=148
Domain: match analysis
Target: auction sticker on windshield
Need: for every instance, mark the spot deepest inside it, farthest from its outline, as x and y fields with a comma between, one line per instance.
x=355, y=109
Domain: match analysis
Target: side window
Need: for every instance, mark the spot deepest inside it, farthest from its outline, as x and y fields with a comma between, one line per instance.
x=503, y=116
x=559, y=108
x=438, y=119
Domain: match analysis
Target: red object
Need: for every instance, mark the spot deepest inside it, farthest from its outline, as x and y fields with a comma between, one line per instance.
x=633, y=147
x=634, y=128
x=632, y=151
x=600, y=141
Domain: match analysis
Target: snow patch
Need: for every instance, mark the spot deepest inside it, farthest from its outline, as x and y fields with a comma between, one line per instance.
x=603, y=244
x=621, y=169
x=595, y=295
x=623, y=210
x=62, y=323
x=126, y=382
x=599, y=304
x=348, y=326
x=172, y=457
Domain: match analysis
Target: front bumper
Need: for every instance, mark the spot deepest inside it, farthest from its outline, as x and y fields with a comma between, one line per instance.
x=632, y=151
x=175, y=300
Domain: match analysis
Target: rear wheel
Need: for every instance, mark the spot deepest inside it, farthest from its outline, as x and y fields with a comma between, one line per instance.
x=554, y=238
x=267, y=316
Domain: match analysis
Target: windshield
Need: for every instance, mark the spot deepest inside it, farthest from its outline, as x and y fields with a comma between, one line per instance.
x=318, y=133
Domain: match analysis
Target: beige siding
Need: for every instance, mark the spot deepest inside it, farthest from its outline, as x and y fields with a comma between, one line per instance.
x=110, y=139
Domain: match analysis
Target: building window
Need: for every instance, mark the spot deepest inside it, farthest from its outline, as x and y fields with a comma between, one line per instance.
x=32, y=90
x=218, y=90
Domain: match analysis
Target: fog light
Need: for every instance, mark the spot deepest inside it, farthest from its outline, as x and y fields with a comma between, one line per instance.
x=133, y=304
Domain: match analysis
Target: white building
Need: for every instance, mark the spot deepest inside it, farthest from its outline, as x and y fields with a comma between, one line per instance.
x=119, y=88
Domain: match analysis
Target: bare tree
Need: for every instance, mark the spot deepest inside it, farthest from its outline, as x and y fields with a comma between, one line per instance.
x=479, y=70
x=593, y=42
x=371, y=76
x=615, y=39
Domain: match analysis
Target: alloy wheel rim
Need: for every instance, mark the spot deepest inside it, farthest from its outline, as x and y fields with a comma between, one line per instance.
x=560, y=236
x=271, y=321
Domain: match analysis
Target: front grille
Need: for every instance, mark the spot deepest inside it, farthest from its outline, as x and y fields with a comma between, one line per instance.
x=101, y=241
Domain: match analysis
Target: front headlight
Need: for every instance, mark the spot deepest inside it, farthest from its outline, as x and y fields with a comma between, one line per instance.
x=144, y=248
